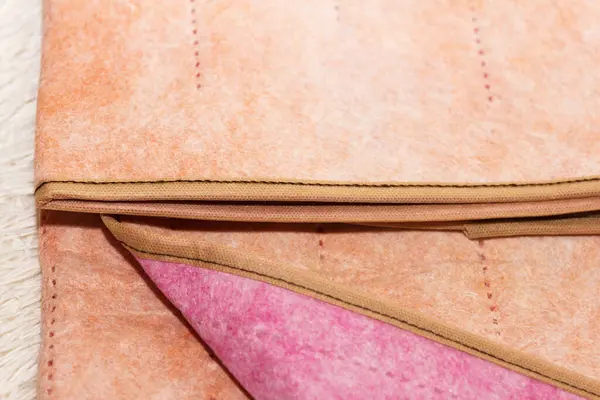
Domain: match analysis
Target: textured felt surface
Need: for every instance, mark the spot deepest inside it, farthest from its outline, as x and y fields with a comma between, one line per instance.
x=283, y=345
x=536, y=295
x=107, y=331
x=404, y=90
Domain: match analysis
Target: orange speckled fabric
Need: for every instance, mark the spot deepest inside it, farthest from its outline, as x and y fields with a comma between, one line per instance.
x=385, y=93
x=461, y=91
x=108, y=333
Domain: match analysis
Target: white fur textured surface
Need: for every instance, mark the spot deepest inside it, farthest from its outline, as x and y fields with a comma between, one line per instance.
x=20, y=32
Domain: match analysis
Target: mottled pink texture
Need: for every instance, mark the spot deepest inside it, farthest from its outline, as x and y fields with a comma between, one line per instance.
x=283, y=345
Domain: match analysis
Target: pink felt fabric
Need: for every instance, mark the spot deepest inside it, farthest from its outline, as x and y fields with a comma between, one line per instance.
x=283, y=345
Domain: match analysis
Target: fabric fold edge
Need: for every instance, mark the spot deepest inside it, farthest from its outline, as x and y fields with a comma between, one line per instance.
x=224, y=259
x=317, y=191
x=479, y=211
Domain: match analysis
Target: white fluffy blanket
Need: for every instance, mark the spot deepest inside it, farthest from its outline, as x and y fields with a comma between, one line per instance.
x=19, y=270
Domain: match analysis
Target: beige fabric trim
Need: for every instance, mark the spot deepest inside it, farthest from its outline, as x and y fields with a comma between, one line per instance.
x=221, y=258
x=553, y=227
x=393, y=205
x=475, y=230
x=431, y=217
x=325, y=213
x=334, y=192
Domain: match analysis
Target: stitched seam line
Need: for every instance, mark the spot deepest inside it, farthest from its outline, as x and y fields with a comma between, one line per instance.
x=333, y=184
x=481, y=53
x=489, y=292
x=196, y=43
x=365, y=309
x=50, y=364
x=320, y=245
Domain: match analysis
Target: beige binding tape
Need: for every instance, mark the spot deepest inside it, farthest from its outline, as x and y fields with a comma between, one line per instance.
x=393, y=205
x=222, y=258
x=334, y=192
x=332, y=213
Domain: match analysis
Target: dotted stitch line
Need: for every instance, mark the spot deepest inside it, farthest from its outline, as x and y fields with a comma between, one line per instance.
x=488, y=285
x=321, y=248
x=481, y=52
x=196, y=43
x=50, y=364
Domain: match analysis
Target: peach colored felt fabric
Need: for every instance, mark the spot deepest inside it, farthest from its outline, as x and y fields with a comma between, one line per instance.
x=107, y=332
x=385, y=90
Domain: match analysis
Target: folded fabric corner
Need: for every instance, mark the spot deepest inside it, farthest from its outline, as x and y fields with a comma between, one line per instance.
x=319, y=199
